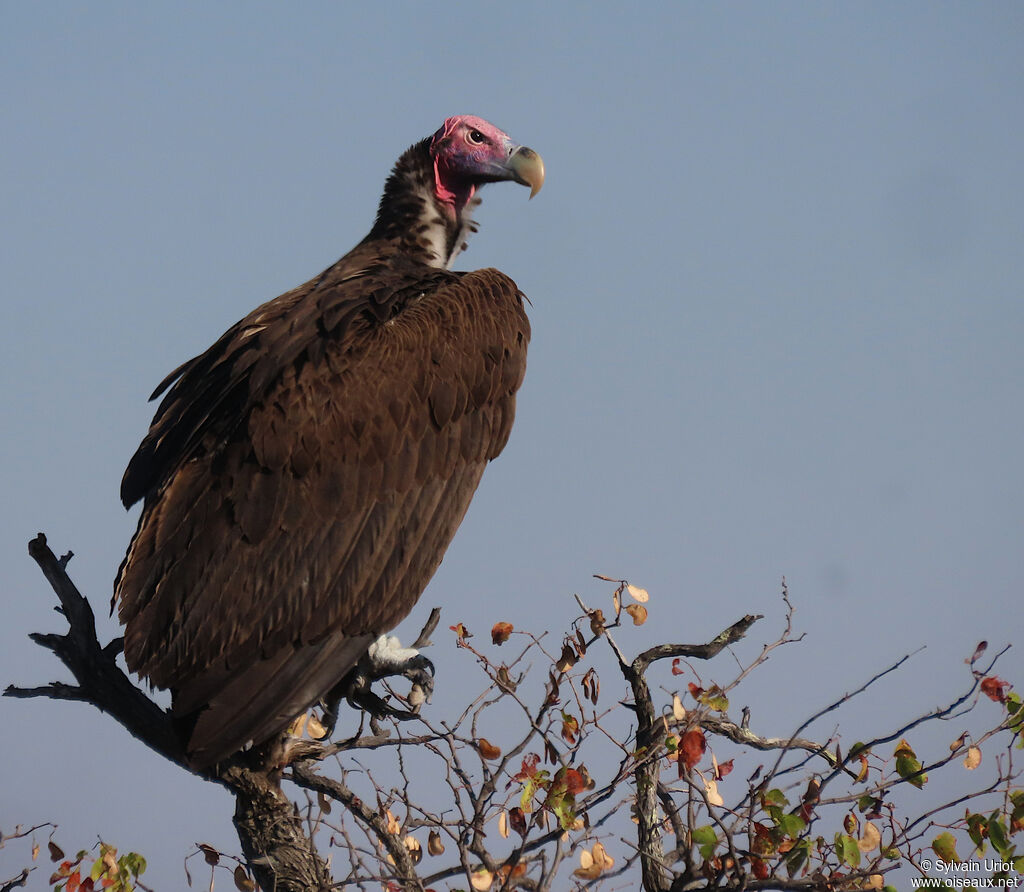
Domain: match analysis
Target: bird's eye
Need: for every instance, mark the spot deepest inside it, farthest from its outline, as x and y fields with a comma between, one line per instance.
x=476, y=137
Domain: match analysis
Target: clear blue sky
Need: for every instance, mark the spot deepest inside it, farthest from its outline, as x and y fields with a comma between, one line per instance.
x=776, y=276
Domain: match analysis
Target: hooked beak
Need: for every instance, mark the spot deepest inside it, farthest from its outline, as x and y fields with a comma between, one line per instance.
x=527, y=168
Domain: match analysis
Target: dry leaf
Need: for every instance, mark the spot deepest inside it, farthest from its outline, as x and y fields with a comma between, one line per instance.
x=56, y=852
x=210, y=854
x=504, y=680
x=638, y=612
x=394, y=825
x=973, y=759
x=503, y=824
x=324, y=802
x=242, y=881
x=711, y=789
x=617, y=602
x=415, y=849
x=876, y=881
x=314, y=728
x=638, y=594
x=488, y=750
x=594, y=862
x=678, y=710
x=871, y=838
x=500, y=632
x=434, y=844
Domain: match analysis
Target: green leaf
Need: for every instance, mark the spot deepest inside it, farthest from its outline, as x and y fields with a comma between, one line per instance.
x=791, y=825
x=774, y=797
x=705, y=839
x=797, y=856
x=866, y=803
x=907, y=767
x=944, y=845
x=977, y=830
x=134, y=863
x=997, y=836
x=715, y=699
x=846, y=850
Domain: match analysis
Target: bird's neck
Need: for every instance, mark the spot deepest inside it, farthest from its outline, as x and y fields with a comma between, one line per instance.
x=430, y=228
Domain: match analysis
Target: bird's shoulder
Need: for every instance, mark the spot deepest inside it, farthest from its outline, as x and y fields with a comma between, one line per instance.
x=365, y=321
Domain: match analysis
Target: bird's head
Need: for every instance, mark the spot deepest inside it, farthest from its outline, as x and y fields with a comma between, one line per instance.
x=468, y=151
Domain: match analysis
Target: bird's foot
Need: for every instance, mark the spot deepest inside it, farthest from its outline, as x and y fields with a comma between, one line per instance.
x=386, y=658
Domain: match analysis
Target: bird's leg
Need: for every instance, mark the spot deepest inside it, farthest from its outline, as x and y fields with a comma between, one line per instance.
x=385, y=658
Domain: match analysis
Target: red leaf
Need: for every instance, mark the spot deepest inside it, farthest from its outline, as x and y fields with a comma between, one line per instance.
x=760, y=868
x=723, y=769
x=695, y=690
x=518, y=820
x=994, y=688
x=691, y=747
x=675, y=667
x=529, y=769
x=573, y=781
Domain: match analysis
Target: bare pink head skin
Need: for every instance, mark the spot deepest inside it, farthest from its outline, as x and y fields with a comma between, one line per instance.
x=469, y=151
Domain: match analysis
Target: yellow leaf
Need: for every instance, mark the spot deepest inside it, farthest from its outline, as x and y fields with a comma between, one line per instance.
x=638, y=594
x=904, y=748
x=394, y=825
x=875, y=881
x=35, y=850
x=638, y=612
x=296, y=728
x=481, y=880
x=503, y=824
x=870, y=839
x=678, y=710
x=973, y=759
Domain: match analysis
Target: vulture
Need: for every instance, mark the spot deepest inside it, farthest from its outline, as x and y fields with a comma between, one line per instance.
x=302, y=478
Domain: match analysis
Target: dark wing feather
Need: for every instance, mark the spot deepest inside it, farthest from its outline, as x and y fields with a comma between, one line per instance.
x=304, y=478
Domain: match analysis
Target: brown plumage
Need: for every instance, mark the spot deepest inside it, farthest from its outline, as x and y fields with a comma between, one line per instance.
x=303, y=477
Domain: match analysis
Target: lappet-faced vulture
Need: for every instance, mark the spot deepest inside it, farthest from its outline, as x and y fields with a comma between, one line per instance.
x=303, y=477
